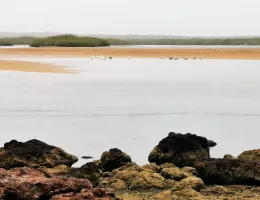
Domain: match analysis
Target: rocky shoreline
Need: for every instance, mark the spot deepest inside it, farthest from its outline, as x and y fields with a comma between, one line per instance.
x=180, y=168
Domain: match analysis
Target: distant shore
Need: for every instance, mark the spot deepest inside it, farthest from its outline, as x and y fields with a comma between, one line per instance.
x=10, y=65
x=207, y=53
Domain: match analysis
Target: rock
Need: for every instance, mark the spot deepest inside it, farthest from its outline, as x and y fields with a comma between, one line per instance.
x=228, y=156
x=117, y=184
x=86, y=194
x=139, y=184
x=58, y=170
x=32, y=184
x=216, y=190
x=250, y=155
x=127, y=196
x=165, y=195
x=154, y=180
x=88, y=171
x=132, y=176
x=192, y=182
x=126, y=175
x=87, y=157
x=229, y=172
x=190, y=170
x=153, y=167
x=174, y=173
x=187, y=194
x=114, y=159
x=181, y=150
x=212, y=143
x=33, y=153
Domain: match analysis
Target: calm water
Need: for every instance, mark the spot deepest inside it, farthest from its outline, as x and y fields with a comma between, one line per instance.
x=133, y=104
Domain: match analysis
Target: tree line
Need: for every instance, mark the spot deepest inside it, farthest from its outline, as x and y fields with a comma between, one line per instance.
x=75, y=41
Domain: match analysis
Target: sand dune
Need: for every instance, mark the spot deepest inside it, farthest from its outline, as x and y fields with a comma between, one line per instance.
x=220, y=53
x=31, y=67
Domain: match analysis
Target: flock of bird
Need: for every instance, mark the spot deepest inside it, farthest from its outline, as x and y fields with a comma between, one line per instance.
x=177, y=58
x=101, y=57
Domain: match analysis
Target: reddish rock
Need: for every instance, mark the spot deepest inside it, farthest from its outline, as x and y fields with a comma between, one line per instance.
x=86, y=194
x=31, y=184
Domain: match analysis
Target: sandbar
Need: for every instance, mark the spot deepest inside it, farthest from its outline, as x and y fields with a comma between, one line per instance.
x=207, y=53
x=24, y=66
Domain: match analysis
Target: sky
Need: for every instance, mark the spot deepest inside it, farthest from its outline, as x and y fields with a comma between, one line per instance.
x=165, y=17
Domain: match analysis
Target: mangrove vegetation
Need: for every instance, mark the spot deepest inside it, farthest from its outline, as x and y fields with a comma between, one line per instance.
x=75, y=41
x=69, y=41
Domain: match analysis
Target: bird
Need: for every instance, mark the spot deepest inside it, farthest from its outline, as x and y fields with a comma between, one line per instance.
x=162, y=57
x=176, y=58
x=194, y=58
x=129, y=57
x=185, y=58
x=110, y=58
x=170, y=58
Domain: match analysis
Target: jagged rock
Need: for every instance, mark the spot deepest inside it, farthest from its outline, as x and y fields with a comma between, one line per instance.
x=86, y=194
x=33, y=153
x=229, y=172
x=228, y=156
x=250, y=155
x=181, y=150
x=113, y=159
x=31, y=184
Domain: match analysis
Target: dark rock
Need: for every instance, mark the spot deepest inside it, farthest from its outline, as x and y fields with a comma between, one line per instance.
x=113, y=159
x=87, y=157
x=212, y=143
x=86, y=194
x=90, y=171
x=33, y=153
x=181, y=150
x=228, y=156
x=229, y=172
x=31, y=184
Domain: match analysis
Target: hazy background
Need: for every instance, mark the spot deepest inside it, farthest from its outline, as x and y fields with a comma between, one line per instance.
x=176, y=17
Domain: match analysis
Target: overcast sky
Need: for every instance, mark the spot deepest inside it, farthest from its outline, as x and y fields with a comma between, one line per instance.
x=176, y=17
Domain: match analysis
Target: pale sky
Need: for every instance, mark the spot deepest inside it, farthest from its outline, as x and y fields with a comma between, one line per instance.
x=176, y=17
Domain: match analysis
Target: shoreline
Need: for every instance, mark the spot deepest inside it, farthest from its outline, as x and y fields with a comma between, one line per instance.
x=26, y=66
x=207, y=53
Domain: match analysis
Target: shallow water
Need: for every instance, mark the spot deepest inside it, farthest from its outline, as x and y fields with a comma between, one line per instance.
x=133, y=104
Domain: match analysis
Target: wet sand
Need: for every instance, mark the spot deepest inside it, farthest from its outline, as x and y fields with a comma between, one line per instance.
x=226, y=53
x=11, y=65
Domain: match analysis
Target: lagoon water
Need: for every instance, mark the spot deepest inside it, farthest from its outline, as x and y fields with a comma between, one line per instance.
x=133, y=104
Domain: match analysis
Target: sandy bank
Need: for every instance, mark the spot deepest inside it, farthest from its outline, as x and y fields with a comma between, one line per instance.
x=221, y=53
x=31, y=67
